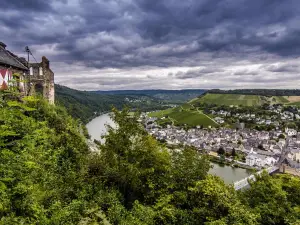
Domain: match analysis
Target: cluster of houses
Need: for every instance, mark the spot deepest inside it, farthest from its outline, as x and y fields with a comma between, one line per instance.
x=259, y=148
x=277, y=114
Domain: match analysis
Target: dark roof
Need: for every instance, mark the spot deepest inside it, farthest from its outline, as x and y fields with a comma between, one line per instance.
x=267, y=153
x=6, y=57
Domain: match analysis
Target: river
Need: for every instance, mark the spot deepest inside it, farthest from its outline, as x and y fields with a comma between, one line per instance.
x=97, y=128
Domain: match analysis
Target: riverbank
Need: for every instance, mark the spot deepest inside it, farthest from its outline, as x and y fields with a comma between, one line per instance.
x=229, y=174
x=232, y=163
x=221, y=161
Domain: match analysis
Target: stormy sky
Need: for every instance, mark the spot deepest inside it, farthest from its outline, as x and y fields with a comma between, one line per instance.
x=164, y=44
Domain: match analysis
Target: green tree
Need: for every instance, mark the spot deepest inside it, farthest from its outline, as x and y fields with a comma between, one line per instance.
x=41, y=162
x=261, y=147
x=233, y=153
x=221, y=151
x=216, y=203
x=188, y=166
x=281, y=136
x=267, y=197
x=49, y=176
x=132, y=161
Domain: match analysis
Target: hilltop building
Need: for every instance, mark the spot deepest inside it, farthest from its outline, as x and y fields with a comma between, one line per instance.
x=29, y=78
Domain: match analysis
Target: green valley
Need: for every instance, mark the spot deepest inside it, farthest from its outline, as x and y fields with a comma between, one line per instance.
x=85, y=105
x=50, y=176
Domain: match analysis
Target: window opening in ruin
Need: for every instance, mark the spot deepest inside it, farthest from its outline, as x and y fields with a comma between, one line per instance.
x=39, y=89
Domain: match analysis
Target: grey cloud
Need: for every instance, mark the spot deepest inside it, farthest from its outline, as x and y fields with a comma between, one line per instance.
x=156, y=33
x=196, y=73
x=245, y=72
x=152, y=76
x=30, y=5
x=289, y=68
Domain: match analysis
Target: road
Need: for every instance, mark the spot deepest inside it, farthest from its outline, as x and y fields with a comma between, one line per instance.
x=285, y=151
x=207, y=116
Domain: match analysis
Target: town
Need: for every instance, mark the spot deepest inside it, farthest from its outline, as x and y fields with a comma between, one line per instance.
x=249, y=147
x=268, y=115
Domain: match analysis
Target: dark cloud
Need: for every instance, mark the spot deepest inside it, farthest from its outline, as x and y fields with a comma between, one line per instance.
x=156, y=33
x=244, y=72
x=196, y=73
x=289, y=68
x=30, y=5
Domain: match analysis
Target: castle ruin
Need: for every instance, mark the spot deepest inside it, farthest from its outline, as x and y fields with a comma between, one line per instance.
x=30, y=78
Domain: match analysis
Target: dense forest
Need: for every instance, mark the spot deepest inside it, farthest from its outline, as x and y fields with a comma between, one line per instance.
x=85, y=105
x=263, y=92
x=49, y=176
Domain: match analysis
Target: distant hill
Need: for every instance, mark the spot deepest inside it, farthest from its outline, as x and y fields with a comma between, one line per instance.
x=189, y=114
x=172, y=96
x=263, y=92
x=244, y=100
x=229, y=99
x=85, y=105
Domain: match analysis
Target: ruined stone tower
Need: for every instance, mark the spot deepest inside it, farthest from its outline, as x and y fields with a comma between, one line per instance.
x=41, y=79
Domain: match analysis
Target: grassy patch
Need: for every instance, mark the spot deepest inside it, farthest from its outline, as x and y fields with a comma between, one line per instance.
x=161, y=113
x=294, y=103
x=192, y=118
x=281, y=99
x=230, y=99
x=182, y=115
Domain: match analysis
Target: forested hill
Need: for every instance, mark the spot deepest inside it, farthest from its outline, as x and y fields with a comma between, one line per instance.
x=263, y=92
x=85, y=105
x=172, y=96
x=49, y=177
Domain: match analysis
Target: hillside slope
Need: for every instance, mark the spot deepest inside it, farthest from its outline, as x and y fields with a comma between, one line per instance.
x=229, y=99
x=262, y=92
x=49, y=176
x=183, y=115
x=244, y=100
x=85, y=105
x=171, y=96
